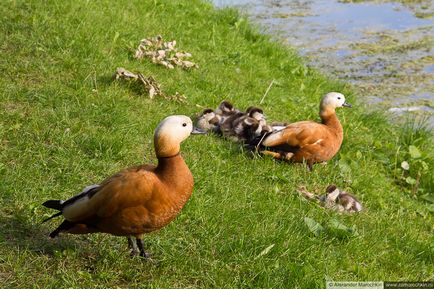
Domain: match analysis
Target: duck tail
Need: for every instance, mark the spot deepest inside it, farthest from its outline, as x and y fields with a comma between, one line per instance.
x=64, y=226
x=53, y=204
x=255, y=144
x=53, y=216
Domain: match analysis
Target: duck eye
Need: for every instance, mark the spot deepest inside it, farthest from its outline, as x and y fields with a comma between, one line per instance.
x=184, y=124
x=339, y=97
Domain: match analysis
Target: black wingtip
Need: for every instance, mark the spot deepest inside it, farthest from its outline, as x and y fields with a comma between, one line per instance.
x=53, y=216
x=256, y=143
x=54, y=233
x=53, y=204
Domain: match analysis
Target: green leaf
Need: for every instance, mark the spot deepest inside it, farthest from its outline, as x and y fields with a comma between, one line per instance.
x=430, y=208
x=410, y=181
x=414, y=152
x=428, y=198
x=344, y=166
x=340, y=230
x=314, y=226
x=424, y=165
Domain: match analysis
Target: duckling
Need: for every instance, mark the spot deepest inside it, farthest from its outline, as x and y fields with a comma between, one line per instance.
x=137, y=200
x=225, y=110
x=309, y=141
x=227, y=127
x=208, y=120
x=245, y=128
x=258, y=114
x=343, y=200
x=255, y=112
x=334, y=199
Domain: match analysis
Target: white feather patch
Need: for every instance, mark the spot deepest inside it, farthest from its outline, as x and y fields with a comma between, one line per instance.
x=318, y=141
x=79, y=206
x=76, y=209
x=278, y=127
x=272, y=138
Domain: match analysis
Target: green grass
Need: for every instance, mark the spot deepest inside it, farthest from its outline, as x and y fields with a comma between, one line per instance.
x=65, y=124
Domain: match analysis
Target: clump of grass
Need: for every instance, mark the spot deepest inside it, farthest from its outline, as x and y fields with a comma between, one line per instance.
x=415, y=158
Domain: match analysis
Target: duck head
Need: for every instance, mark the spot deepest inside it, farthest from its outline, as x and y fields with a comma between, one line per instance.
x=210, y=116
x=256, y=113
x=225, y=107
x=171, y=132
x=333, y=100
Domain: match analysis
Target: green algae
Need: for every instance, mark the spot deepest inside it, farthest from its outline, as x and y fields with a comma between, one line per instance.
x=420, y=8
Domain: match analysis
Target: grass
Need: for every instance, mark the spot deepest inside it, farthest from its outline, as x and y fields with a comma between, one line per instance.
x=65, y=124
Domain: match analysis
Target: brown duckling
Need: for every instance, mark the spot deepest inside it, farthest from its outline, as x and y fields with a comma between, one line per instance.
x=137, y=200
x=334, y=199
x=225, y=110
x=208, y=120
x=309, y=141
x=227, y=127
x=258, y=114
x=341, y=200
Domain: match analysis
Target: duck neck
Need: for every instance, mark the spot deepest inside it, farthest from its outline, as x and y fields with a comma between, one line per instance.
x=329, y=118
x=174, y=170
x=164, y=146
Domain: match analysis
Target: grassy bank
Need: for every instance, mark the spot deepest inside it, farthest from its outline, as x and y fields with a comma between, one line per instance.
x=65, y=124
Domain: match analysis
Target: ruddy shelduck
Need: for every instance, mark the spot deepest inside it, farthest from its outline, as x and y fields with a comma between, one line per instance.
x=308, y=141
x=137, y=200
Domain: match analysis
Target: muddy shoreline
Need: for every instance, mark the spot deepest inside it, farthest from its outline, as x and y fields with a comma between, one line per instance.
x=384, y=49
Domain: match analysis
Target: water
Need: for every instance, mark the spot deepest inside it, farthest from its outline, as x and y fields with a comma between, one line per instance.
x=383, y=49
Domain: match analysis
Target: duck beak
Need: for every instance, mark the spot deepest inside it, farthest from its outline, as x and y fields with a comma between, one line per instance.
x=197, y=131
x=346, y=104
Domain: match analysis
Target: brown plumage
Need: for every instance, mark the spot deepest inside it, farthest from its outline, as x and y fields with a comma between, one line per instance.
x=137, y=200
x=227, y=127
x=258, y=114
x=225, y=110
x=334, y=199
x=343, y=201
x=309, y=141
x=208, y=120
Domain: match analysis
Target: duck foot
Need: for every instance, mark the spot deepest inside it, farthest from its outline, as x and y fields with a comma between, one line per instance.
x=279, y=155
x=133, y=249
x=142, y=253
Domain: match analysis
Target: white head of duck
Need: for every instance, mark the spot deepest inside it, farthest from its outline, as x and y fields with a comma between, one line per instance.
x=331, y=101
x=171, y=132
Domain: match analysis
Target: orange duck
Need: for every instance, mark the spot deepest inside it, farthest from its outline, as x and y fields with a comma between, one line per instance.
x=308, y=141
x=137, y=200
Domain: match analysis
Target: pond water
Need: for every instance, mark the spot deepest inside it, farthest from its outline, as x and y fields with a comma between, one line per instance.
x=384, y=48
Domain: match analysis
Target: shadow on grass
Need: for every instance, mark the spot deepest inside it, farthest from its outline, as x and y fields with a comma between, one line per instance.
x=18, y=233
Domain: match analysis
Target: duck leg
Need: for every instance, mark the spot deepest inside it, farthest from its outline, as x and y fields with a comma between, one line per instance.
x=275, y=155
x=140, y=245
x=309, y=166
x=133, y=249
x=286, y=156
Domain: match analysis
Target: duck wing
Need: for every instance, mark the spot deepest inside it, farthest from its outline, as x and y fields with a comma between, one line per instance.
x=295, y=135
x=129, y=187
